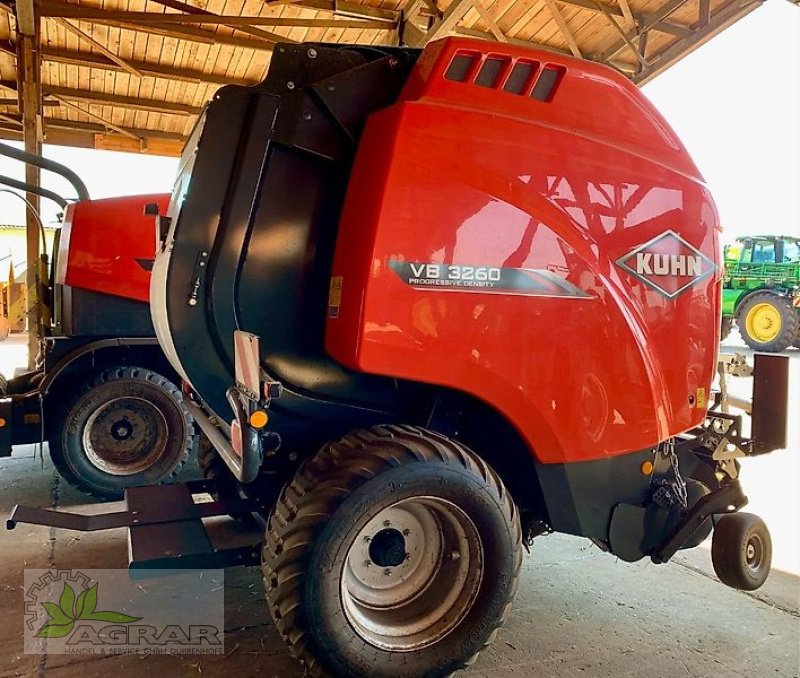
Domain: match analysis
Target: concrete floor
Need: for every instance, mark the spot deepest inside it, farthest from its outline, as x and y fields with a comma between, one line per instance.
x=579, y=612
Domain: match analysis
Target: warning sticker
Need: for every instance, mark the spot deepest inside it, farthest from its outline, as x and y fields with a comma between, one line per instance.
x=335, y=296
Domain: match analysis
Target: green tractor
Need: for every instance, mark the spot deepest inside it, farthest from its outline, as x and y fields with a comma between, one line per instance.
x=761, y=291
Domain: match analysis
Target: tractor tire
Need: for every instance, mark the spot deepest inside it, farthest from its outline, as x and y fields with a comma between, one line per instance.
x=122, y=428
x=741, y=551
x=393, y=552
x=725, y=327
x=767, y=322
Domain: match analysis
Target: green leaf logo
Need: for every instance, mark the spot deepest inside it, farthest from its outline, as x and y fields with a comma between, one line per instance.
x=70, y=609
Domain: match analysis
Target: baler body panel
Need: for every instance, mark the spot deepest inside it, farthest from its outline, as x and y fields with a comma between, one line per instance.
x=108, y=245
x=489, y=244
x=253, y=225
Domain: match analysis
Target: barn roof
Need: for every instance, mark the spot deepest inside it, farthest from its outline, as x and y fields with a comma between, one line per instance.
x=133, y=74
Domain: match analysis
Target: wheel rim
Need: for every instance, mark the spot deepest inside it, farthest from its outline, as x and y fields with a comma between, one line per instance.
x=763, y=322
x=412, y=574
x=754, y=553
x=125, y=436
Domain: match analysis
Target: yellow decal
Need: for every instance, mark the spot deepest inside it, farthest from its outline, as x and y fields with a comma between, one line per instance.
x=700, y=399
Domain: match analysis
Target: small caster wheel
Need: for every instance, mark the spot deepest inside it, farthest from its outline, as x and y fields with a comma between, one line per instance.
x=741, y=551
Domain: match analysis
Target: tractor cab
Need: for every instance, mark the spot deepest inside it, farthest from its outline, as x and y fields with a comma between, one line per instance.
x=764, y=250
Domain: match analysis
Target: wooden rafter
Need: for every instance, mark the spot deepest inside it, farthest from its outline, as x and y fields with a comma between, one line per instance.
x=669, y=27
x=624, y=36
x=186, y=32
x=153, y=105
x=489, y=21
x=678, y=49
x=100, y=47
x=191, y=9
x=26, y=17
x=106, y=123
x=704, y=12
x=626, y=12
x=90, y=14
x=29, y=79
x=561, y=22
x=651, y=23
x=444, y=24
x=153, y=70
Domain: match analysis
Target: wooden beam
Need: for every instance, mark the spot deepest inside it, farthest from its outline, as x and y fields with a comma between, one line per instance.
x=29, y=73
x=352, y=9
x=672, y=28
x=624, y=35
x=191, y=9
x=626, y=12
x=561, y=22
x=90, y=14
x=99, y=139
x=190, y=33
x=151, y=70
x=97, y=128
x=154, y=105
x=680, y=48
x=8, y=118
x=106, y=123
x=704, y=12
x=99, y=47
x=26, y=17
x=489, y=21
x=15, y=102
x=651, y=23
x=446, y=23
x=483, y=35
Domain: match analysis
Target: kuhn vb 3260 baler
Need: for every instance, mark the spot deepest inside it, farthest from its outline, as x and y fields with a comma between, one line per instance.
x=430, y=306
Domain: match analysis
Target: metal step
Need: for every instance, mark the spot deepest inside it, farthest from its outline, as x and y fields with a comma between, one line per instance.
x=165, y=527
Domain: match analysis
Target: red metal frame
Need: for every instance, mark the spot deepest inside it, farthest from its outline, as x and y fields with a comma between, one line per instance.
x=101, y=241
x=459, y=174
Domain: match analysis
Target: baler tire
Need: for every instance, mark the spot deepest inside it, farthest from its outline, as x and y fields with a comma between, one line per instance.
x=741, y=551
x=316, y=533
x=145, y=400
x=789, y=318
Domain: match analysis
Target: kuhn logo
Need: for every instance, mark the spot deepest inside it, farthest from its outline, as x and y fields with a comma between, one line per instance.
x=668, y=264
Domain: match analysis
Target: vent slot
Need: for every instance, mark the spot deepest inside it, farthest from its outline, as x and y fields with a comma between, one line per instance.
x=492, y=69
x=547, y=83
x=460, y=67
x=520, y=77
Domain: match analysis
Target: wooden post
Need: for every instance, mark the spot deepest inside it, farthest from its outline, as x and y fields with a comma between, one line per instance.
x=30, y=103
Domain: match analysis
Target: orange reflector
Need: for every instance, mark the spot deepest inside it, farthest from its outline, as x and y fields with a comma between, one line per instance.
x=647, y=468
x=2, y=422
x=259, y=419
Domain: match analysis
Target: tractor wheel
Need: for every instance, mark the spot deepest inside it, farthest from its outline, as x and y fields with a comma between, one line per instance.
x=767, y=322
x=395, y=551
x=122, y=428
x=725, y=327
x=741, y=551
